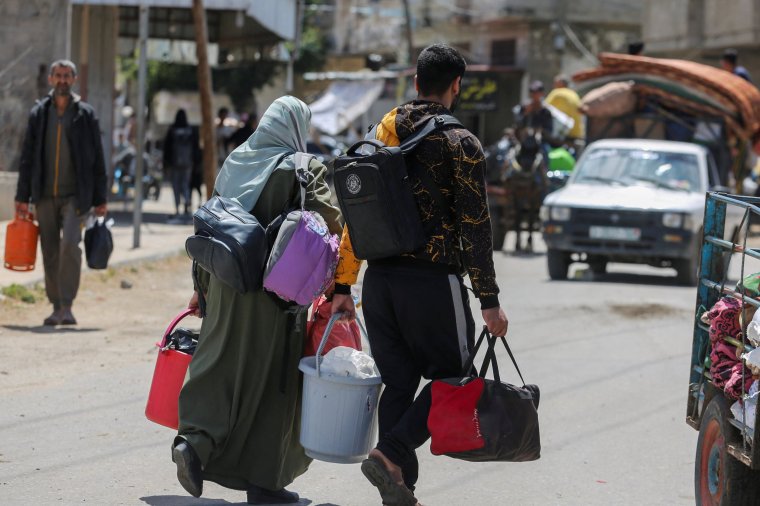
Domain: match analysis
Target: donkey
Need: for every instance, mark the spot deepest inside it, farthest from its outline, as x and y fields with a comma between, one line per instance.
x=526, y=184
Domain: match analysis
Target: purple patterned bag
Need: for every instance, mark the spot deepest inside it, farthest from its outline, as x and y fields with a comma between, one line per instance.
x=304, y=256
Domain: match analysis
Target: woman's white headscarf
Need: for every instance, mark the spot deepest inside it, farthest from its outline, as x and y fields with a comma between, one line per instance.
x=282, y=132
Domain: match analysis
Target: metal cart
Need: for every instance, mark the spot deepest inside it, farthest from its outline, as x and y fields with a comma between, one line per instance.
x=727, y=463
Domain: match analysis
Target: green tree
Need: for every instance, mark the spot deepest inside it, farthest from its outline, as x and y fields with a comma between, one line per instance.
x=239, y=81
x=313, y=51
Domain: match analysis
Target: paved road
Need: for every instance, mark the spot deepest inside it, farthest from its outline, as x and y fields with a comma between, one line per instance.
x=610, y=355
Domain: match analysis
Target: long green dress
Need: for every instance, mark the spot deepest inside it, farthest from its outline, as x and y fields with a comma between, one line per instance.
x=240, y=406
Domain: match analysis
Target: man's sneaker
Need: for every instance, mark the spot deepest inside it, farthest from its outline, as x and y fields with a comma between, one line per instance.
x=189, y=473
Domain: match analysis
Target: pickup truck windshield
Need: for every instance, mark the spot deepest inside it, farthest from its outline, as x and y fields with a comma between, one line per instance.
x=676, y=171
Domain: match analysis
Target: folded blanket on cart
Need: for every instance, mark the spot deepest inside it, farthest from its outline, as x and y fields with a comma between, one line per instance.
x=723, y=319
x=697, y=82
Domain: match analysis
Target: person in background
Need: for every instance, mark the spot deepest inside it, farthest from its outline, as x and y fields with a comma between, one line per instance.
x=636, y=48
x=567, y=100
x=534, y=121
x=130, y=124
x=63, y=173
x=533, y=114
x=222, y=132
x=241, y=135
x=181, y=151
x=240, y=406
x=730, y=62
x=416, y=307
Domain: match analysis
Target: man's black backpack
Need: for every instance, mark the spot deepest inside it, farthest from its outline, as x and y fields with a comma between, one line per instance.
x=375, y=195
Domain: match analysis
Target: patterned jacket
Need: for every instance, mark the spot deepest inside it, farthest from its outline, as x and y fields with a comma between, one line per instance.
x=461, y=237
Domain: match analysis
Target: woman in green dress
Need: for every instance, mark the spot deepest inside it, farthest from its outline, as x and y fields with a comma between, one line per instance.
x=239, y=409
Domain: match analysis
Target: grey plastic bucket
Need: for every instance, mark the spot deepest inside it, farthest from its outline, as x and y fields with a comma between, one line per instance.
x=338, y=413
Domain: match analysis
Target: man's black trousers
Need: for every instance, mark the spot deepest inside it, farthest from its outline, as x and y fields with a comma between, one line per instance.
x=420, y=325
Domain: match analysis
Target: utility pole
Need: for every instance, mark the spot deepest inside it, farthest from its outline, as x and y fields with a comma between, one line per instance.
x=142, y=73
x=295, y=53
x=204, y=85
x=408, y=26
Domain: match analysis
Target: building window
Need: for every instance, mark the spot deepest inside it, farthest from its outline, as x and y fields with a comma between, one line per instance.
x=503, y=52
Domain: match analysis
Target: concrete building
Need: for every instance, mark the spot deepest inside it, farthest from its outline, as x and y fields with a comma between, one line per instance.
x=509, y=42
x=33, y=33
x=25, y=56
x=701, y=30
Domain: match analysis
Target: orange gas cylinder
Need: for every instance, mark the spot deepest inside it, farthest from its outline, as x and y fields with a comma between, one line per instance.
x=21, y=243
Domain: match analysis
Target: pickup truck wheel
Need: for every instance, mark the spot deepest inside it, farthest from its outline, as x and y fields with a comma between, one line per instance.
x=720, y=479
x=558, y=263
x=598, y=265
x=686, y=269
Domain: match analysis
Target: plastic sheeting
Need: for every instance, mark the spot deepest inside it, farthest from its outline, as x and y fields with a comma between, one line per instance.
x=342, y=103
x=348, y=362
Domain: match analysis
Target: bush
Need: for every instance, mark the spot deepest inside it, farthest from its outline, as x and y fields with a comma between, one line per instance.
x=19, y=292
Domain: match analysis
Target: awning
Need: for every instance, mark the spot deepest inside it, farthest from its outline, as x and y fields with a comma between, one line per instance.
x=278, y=16
x=342, y=103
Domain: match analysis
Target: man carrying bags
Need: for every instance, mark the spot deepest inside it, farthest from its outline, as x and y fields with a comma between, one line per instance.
x=62, y=172
x=415, y=303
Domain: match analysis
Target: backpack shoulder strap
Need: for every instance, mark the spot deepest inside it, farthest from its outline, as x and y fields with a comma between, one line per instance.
x=302, y=161
x=433, y=124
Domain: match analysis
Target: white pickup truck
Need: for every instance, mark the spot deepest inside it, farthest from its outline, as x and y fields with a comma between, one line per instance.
x=633, y=201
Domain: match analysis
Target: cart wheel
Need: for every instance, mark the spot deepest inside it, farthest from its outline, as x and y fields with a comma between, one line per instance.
x=558, y=263
x=687, y=270
x=720, y=479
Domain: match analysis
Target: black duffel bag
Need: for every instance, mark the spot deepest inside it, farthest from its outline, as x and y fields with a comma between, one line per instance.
x=98, y=245
x=230, y=243
x=482, y=420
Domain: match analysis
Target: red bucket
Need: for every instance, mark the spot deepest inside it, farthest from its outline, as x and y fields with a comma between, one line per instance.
x=168, y=377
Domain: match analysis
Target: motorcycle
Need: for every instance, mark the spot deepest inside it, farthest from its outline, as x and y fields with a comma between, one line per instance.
x=124, y=175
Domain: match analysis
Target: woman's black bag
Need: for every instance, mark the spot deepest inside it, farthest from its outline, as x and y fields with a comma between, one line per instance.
x=230, y=243
x=98, y=245
x=479, y=420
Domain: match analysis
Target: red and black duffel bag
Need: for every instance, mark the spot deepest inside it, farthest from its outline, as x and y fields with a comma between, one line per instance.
x=477, y=419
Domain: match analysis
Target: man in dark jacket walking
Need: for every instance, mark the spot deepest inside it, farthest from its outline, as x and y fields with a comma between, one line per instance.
x=416, y=306
x=63, y=174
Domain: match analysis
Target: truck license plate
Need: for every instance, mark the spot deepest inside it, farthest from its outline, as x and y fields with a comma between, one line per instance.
x=615, y=233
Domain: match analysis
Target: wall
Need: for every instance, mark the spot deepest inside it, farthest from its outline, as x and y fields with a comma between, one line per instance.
x=700, y=30
x=734, y=26
x=98, y=49
x=24, y=58
x=32, y=35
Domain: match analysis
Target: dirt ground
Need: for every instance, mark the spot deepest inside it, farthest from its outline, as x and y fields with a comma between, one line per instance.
x=121, y=312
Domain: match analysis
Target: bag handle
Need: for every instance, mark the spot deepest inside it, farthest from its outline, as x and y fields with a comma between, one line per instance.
x=514, y=362
x=371, y=142
x=333, y=319
x=490, y=357
x=471, y=359
x=174, y=322
x=24, y=216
